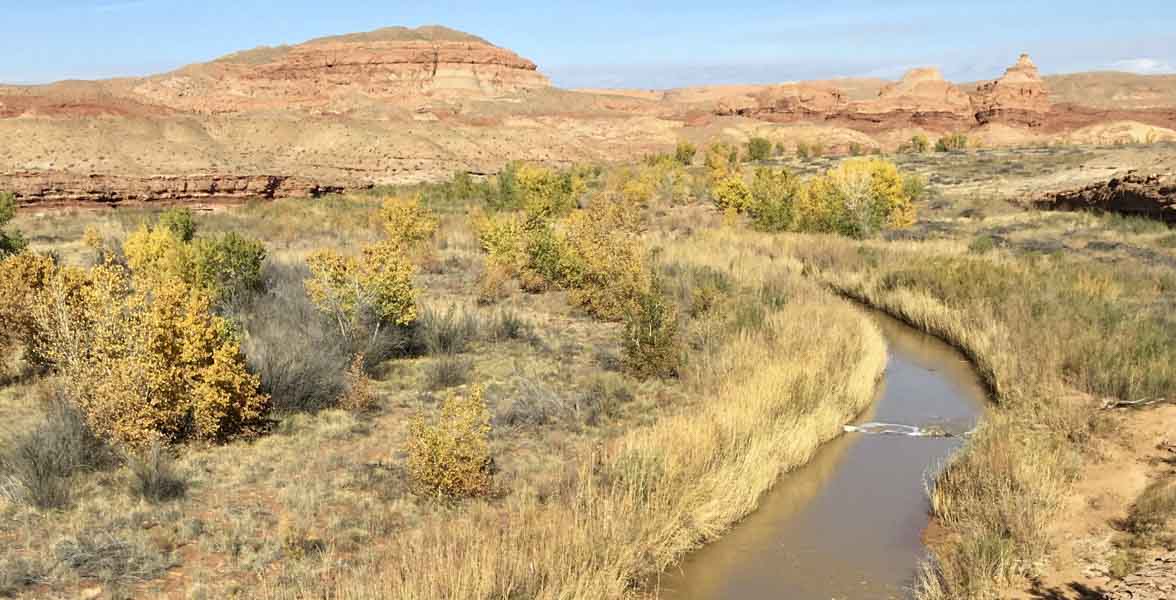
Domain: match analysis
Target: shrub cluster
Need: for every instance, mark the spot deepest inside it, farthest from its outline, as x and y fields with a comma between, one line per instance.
x=366, y=293
x=917, y=145
x=955, y=142
x=594, y=253
x=758, y=149
x=140, y=349
x=227, y=267
x=143, y=355
x=857, y=198
x=684, y=153
x=170, y=367
x=651, y=343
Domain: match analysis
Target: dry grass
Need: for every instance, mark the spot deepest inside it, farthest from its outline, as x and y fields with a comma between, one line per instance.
x=622, y=477
x=634, y=506
x=1030, y=324
x=601, y=481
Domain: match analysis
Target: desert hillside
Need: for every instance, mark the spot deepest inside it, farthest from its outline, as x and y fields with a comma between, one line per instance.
x=400, y=105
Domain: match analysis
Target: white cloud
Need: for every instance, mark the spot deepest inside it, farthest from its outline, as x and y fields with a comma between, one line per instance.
x=1144, y=66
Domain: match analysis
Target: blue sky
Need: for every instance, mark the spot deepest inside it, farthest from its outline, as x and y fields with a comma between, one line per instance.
x=621, y=44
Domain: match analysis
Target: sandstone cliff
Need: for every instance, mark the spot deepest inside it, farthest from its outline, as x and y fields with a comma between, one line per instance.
x=1019, y=97
x=922, y=90
x=401, y=105
x=785, y=103
x=63, y=188
x=394, y=65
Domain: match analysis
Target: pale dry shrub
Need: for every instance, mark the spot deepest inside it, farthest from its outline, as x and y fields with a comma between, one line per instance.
x=359, y=393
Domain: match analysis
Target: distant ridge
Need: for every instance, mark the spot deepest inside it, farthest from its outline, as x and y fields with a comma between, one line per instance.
x=427, y=33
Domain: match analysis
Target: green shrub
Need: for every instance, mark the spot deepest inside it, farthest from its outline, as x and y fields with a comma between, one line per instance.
x=982, y=244
x=1167, y=241
x=758, y=149
x=506, y=196
x=919, y=144
x=651, y=346
x=684, y=153
x=10, y=242
x=955, y=142
x=229, y=265
x=449, y=457
x=856, y=149
x=179, y=221
x=773, y=193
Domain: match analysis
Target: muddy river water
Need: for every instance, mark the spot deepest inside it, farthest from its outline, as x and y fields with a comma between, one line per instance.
x=848, y=525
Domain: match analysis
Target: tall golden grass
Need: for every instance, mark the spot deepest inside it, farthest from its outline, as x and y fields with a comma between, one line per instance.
x=1051, y=337
x=635, y=505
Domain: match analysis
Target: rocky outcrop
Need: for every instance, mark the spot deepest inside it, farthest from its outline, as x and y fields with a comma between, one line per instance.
x=58, y=188
x=1155, y=581
x=922, y=98
x=922, y=90
x=1020, y=97
x=785, y=103
x=1136, y=194
x=396, y=65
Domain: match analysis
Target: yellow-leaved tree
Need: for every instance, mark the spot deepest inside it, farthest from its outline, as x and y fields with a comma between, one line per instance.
x=225, y=266
x=406, y=222
x=379, y=279
x=449, y=457
x=546, y=194
x=145, y=358
x=603, y=263
x=364, y=293
x=857, y=198
x=23, y=278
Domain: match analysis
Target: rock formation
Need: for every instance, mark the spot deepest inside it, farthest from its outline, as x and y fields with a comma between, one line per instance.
x=1133, y=193
x=401, y=106
x=58, y=188
x=921, y=98
x=922, y=90
x=785, y=103
x=394, y=65
x=1019, y=97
